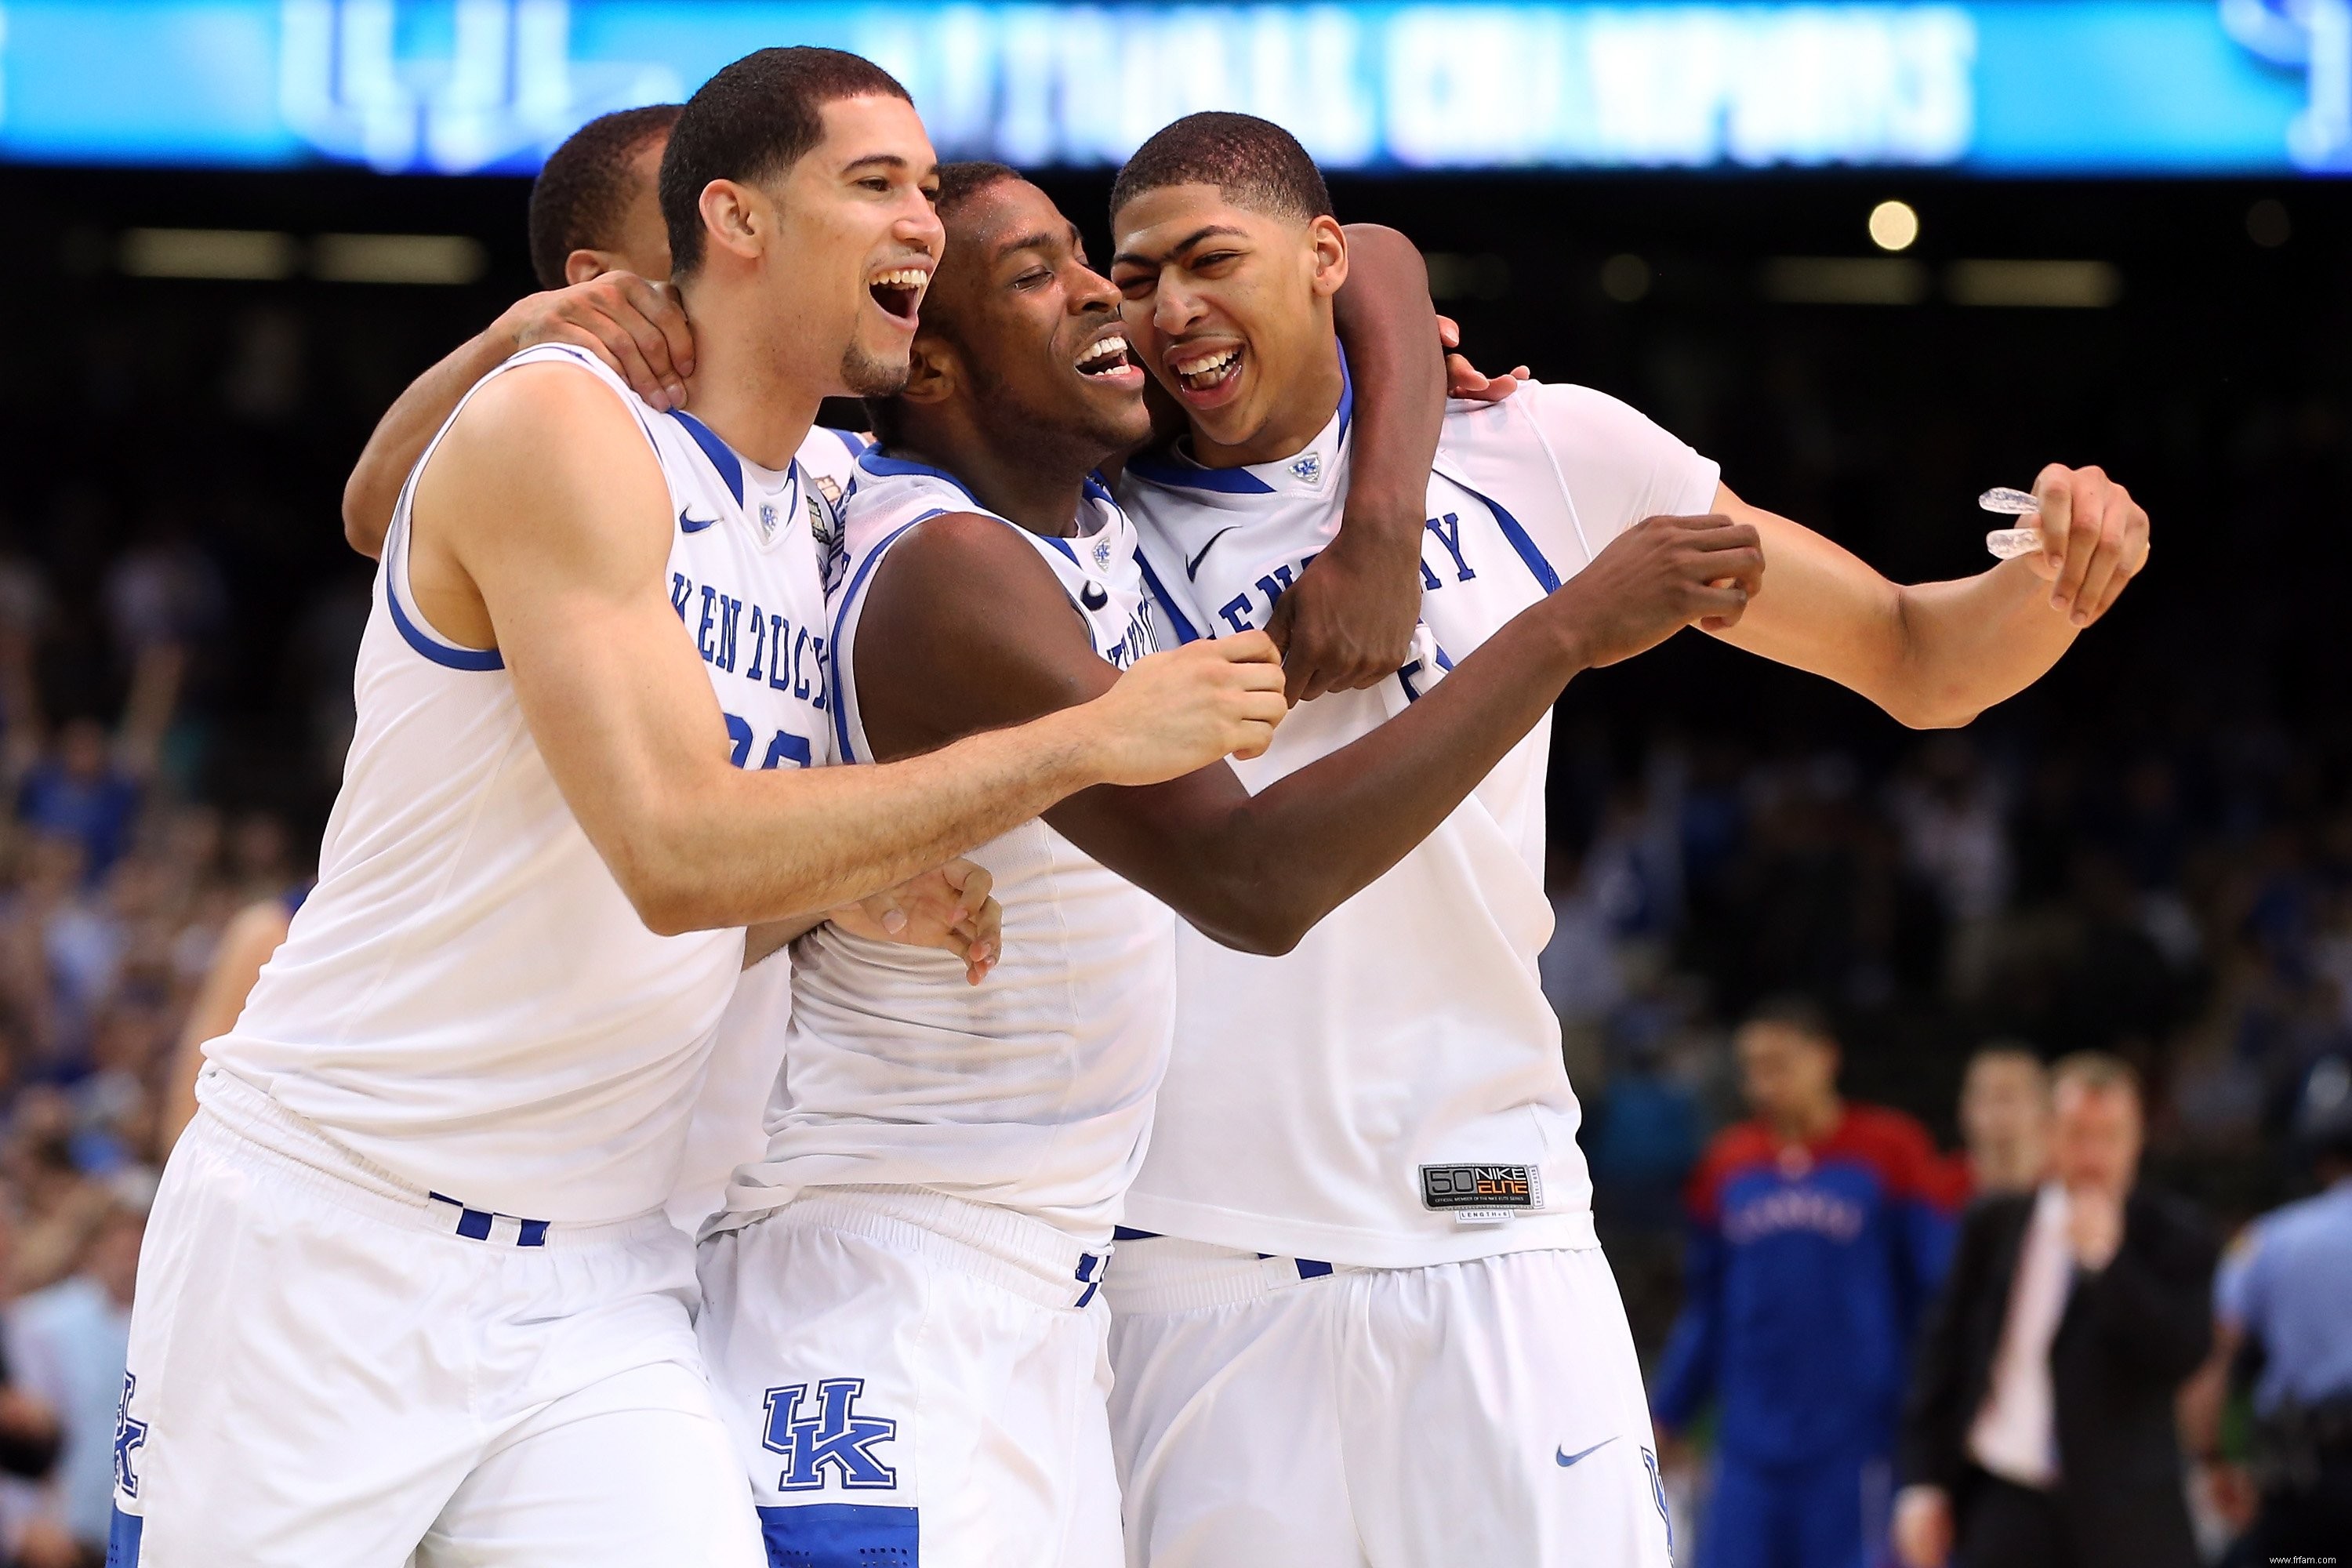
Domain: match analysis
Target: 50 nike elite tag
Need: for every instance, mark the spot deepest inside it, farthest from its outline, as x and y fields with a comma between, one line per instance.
x=1481, y=1194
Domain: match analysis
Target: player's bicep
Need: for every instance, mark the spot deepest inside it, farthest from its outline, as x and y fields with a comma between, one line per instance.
x=569, y=557
x=965, y=628
x=1821, y=609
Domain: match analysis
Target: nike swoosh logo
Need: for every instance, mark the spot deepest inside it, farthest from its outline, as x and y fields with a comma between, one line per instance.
x=1192, y=567
x=692, y=524
x=1567, y=1458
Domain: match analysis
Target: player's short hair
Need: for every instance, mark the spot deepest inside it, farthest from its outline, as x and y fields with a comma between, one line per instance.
x=1254, y=162
x=958, y=184
x=1797, y=1012
x=578, y=199
x=755, y=119
x=2096, y=1071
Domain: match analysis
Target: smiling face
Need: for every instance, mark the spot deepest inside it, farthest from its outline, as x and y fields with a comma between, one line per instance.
x=1034, y=332
x=1231, y=308
x=855, y=240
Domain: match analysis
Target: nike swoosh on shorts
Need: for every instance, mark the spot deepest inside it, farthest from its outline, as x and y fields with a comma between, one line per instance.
x=1567, y=1458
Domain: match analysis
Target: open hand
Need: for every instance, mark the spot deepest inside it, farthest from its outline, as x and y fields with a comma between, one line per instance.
x=948, y=907
x=1466, y=380
x=636, y=327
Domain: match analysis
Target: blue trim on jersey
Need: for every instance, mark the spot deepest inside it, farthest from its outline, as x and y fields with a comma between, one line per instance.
x=123, y=1539
x=1061, y=544
x=1346, y=396
x=1095, y=489
x=841, y=1536
x=1128, y=1233
x=448, y=654
x=1517, y=536
x=722, y=457
x=857, y=581
x=874, y=462
x=1185, y=477
x=1184, y=630
x=1311, y=1268
x=852, y=439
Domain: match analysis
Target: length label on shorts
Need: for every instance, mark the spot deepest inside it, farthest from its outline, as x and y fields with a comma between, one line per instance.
x=1481, y=1194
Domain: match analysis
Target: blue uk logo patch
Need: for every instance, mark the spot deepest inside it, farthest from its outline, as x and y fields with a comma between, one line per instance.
x=130, y=1437
x=835, y=1437
x=1309, y=468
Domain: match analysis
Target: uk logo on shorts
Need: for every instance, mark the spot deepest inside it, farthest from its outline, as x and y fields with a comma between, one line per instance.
x=836, y=1437
x=1658, y=1496
x=130, y=1437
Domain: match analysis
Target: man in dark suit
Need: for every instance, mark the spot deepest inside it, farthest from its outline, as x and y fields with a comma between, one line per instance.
x=2039, y=1433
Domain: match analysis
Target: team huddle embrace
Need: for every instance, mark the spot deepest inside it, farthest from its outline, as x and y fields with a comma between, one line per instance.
x=966, y=997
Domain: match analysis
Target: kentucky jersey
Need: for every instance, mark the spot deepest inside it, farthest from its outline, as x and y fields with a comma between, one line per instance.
x=1032, y=1091
x=469, y=1000
x=1391, y=1093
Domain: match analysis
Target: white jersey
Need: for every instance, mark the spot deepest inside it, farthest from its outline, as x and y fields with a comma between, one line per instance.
x=469, y=1000
x=1391, y=1093
x=1033, y=1090
x=726, y=1130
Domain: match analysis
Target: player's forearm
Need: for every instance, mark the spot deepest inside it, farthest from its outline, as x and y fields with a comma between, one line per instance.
x=1388, y=327
x=1281, y=860
x=769, y=846
x=1968, y=645
x=406, y=428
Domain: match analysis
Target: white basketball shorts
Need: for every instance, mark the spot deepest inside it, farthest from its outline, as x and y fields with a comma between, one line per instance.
x=913, y=1379
x=328, y=1367
x=1283, y=1413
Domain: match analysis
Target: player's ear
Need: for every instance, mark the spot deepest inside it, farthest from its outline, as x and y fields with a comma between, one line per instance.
x=1330, y=250
x=582, y=265
x=735, y=216
x=932, y=372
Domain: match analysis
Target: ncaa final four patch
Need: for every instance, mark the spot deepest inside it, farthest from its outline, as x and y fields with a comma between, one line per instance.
x=1481, y=1194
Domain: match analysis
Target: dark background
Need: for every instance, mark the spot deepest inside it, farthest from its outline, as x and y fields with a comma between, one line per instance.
x=2189, y=762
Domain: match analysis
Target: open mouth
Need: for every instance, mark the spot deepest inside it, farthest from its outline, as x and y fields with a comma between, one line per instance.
x=1203, y=373
x=899, y=292
x=1108, y=358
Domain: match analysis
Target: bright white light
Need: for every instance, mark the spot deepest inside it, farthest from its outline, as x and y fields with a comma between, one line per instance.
x=1894, y=226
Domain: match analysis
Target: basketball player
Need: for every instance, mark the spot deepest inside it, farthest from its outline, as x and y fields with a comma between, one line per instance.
x=408, y=1294
x=900, y=1313
x=1375, y=1327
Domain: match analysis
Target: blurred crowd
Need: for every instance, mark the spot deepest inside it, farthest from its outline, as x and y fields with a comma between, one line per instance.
x=117, y=879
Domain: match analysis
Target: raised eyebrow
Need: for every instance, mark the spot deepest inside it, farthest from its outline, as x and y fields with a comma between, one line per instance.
x=1209, y=231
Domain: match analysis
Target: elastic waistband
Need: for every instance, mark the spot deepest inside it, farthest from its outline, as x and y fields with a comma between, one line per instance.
x=243, y=1123
x=1025, y=1256
x=1169, y=1274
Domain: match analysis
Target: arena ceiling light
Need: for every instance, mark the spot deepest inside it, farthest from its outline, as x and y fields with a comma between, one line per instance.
x=2049, y=285
x=255, y=255
x=443, y=258
x=1843, y=281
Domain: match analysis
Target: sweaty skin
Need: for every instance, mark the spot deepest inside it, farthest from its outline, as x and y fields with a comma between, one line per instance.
x=560, y=565
x=1201, y=275
x=966, y=628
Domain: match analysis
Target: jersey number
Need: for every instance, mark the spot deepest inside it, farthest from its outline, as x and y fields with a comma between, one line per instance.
x=786, y=747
